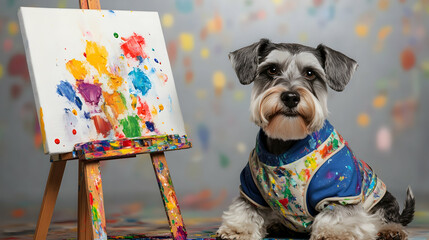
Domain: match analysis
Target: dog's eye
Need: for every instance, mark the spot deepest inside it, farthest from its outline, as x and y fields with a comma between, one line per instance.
x=309, y=75
x=273, y=70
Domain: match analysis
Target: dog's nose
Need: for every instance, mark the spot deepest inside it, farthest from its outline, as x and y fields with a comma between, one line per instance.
x=290, y=99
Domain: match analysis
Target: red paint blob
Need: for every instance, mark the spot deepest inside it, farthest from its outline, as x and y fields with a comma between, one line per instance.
x=133, y=46
x=18, y=67
x=102, y=126
x=408, y=59
x=57, y=141
x=172, y=52
x=143, y=110
x=74, y=132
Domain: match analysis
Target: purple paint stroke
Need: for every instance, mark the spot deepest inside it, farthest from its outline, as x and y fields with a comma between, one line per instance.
x=91, y=93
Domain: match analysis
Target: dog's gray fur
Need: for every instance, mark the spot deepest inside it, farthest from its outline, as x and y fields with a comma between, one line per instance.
x=278, y=68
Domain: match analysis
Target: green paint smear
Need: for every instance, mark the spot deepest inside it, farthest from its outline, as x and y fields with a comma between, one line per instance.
x=224, y=160
x=124, y=101
x=115, y=35
x=131, y=126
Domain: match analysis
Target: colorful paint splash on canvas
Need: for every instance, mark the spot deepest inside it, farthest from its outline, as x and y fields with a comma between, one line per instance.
x=108, y=80
x=115, y=109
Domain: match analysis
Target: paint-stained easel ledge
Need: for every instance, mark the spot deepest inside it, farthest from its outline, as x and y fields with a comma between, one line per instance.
x=107, y=149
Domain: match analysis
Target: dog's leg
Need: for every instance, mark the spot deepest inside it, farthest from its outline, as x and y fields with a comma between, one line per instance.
x=242, y=221
x=339, y=222
x=392, y=231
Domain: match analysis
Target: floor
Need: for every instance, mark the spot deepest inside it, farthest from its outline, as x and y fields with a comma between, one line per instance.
x=120, y=227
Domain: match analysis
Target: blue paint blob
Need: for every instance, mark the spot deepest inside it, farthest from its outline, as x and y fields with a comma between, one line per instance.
x=150, y=126
x=140, y=81
x=156, y=60
x=111, y=11
x=185, y=6
x=78, y=103
x=140, y=58
x=65, y=89
x=87, y=115
x=204, y=136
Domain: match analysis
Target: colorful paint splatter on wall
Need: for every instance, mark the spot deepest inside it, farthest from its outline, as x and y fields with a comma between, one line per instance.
x=106, y=79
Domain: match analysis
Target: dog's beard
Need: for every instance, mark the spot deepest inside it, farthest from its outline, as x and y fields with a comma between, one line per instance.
x=280, y=122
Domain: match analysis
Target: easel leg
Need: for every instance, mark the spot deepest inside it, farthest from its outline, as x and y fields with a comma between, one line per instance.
x=49, y=198
x=84, y=223
x=168, y=196
x=95, y=204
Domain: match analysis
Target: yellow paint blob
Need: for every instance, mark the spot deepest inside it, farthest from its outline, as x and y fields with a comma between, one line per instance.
x=362, y=30
x=145, y=67
x=161, y=107
x=1, y=70
x=42, y=129
x=167, y=20
x=115, y=81
x=154, y=111
x=219, y=82
x=74, y=112
x=201, y=94
x=363, y=120
x=115, y=102
x=13, y=28
x=205, y=53
x=77, y=69
x=133, y=101
x=277, y=2
x=186, y=42
x=239, y=95
x=62, y=4
x=379, y=101
x=303, y=37
x=96, y=56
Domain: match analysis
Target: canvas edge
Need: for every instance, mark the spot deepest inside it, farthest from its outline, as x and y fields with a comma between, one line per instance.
x=31, y=73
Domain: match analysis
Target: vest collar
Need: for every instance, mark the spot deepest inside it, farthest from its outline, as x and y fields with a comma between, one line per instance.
x=298, y=150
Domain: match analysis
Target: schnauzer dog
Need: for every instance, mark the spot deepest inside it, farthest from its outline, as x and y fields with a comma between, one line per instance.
x=302, y=178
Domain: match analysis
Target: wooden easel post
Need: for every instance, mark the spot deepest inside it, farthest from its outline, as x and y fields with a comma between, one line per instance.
x=168, y=195
x=49, y=198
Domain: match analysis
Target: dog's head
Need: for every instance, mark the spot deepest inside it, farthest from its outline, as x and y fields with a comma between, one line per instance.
x=289, y=95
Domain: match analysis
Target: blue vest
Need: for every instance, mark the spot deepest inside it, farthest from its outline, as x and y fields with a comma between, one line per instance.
x=317, y=171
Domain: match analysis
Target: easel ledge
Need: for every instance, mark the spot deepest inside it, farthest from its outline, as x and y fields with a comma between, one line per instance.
x=124, y=148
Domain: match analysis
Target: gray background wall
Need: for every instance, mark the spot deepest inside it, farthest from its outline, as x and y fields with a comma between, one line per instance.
x=375, y=33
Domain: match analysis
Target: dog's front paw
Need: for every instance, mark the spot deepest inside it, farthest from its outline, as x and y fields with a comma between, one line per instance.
x=328, y=234
x=234, y=233
x=392, y=231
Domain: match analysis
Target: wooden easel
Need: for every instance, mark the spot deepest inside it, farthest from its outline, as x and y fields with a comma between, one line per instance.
x=91, y=217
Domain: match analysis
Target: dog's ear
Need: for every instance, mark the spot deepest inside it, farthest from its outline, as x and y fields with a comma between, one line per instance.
x=338, y=67
x=245, y=61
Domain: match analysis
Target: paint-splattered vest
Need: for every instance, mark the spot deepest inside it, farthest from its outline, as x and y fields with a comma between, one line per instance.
x=315, y=172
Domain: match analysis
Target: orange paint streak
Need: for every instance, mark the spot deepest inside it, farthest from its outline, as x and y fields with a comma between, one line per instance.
x=114, y=101
x=77, y=69
x=42, y=129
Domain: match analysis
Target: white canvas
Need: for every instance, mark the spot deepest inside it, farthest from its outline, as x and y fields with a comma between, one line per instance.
x=99, y=74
